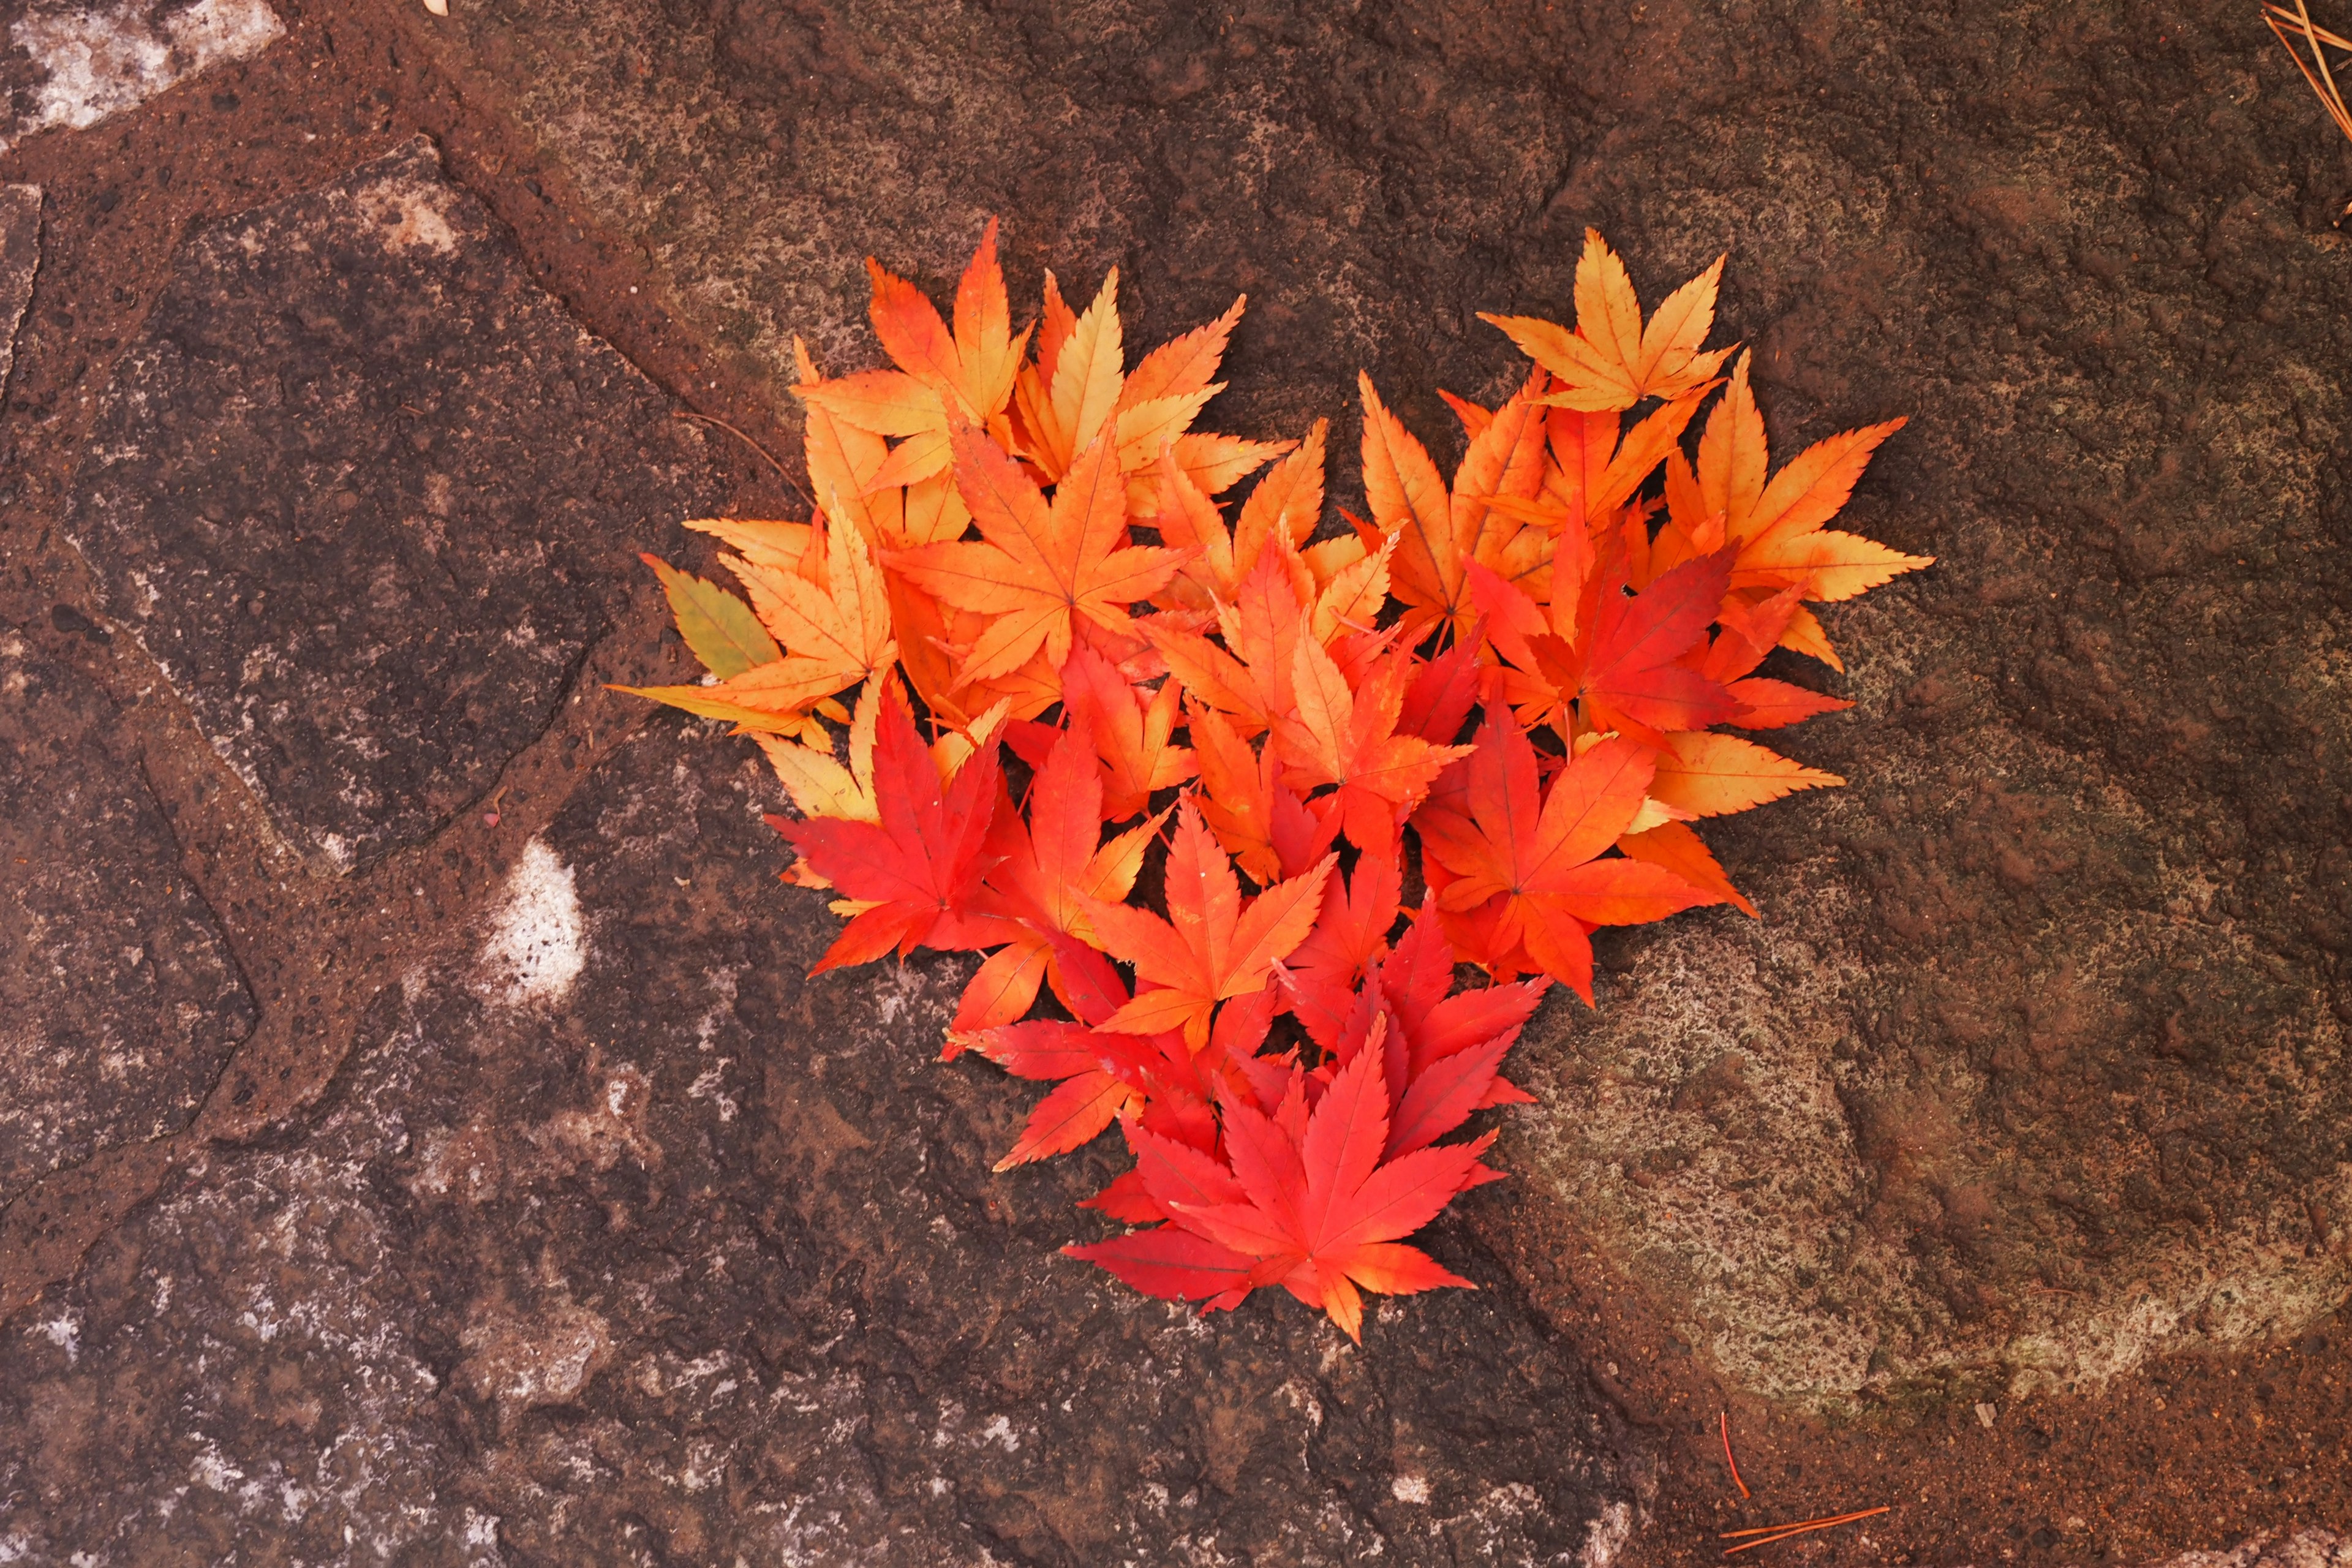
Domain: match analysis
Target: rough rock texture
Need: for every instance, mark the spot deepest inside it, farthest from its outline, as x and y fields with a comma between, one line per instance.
x=622, y=1241
x=2036, y=1065
x=365, y=491
x=2302, y=1549
x=20, y=258
x=72, y=65
x=119, y=1000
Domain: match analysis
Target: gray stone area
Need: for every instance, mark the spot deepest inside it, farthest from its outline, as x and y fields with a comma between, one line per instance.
x=119, y=1000
x=2036, y=1066
x=622, y=1241
x=366, y=492
x=20, y=258
x=69, y=65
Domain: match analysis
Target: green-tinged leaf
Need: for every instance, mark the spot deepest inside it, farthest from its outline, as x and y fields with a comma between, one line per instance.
x=719, y=627
x=698, y=699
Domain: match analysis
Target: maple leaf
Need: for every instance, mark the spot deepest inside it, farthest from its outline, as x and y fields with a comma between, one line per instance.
x=1531, y=862
x=847, y=466
x=1085, y=1098
x=1137, y=755
x=1264, y=824
x=1283, y=506
x=1046, y=870
x=1619, y=658
x=1441, y=531
x=1610, y=362
x=834, y=634
x=1213, y=946
x=1103, y=1077
x=916, y=870
x=1318, y=1208
x=943, y=378
x=1251, y=678
x=1750, y=629
x=1779, y=525
x=1040, y=565
x=1076, y=393
x=1414, y=980
x=1715, y=775
x=1672, y=845
x=1348, y=739
x=1323, y=974
x=1593, y=467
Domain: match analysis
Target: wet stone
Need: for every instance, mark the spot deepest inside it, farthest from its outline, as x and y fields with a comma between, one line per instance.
x=119, y=1000
x=73, y=63
x=20, y=258
x=365, y=492
x=622, y=1240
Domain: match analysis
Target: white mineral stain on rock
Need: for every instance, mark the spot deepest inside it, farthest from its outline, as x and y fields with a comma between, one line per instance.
x=416, y=216
x=537, y=946
x=2303, y=1549
x=101, y=61
x=523, y=1361
x=1606, y=1536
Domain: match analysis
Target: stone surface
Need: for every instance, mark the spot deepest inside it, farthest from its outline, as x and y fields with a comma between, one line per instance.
x=2297, y=1549
x=80, y=62
x=671, y=1255
x=119, y=1000
x=2036, y=1066
x=20, y=258
x=366, y=493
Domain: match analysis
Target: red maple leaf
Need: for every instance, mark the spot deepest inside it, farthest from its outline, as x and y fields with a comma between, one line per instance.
x=1618, y=657
x=1311, y=1198
x=912, y=877
x=1529, y=865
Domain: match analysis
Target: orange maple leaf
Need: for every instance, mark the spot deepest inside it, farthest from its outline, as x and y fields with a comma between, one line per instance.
x=1039, y=564
x=1285, y=505
x=835, y=633
x=1779, y=525
x=1265, y=825
x=1610, y=362
x=943, y=378
x=1131, y=737
x=1347, y=738
x=1440, y=530
x=1217, y=947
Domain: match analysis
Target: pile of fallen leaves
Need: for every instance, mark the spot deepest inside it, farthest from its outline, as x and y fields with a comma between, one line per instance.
x=1486, y=714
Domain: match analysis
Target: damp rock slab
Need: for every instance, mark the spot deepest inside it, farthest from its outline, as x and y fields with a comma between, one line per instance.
x=20, y=258
x=73, y=64
x=365, y=492
x=622, y=1238
x=119, y=1000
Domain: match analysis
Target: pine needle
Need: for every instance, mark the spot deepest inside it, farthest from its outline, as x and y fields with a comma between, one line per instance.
x=2288, y=25
x=1768, y=1533
x=1725, y=1417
